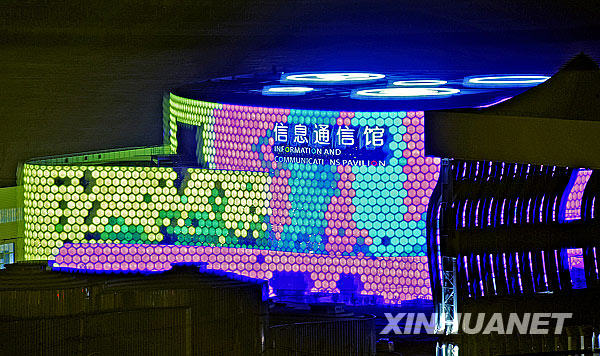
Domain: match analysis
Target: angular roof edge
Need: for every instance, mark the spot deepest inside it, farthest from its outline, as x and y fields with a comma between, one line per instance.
x=556, y=122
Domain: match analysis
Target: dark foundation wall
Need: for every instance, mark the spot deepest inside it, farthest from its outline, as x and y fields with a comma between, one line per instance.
x=80, y=76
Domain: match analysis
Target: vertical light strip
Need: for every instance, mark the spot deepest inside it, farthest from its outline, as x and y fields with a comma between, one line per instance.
x=480, y=275
x=532, y=274
x=439, y=242
x=464, y=215
x=505, y=269
x=493, y=274
x=542, y=209
x=596, y=262
x=544, y=269
x=519, y=272
x=489, y=220
x=477, y=214
x=558, y=266
x=467, y=275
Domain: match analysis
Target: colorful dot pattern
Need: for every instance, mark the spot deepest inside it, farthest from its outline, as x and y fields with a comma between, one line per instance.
x=143, y=205
x=573, y=205
x=244, y=212
x=374, y=210
x=391, y=278
x=139, y=218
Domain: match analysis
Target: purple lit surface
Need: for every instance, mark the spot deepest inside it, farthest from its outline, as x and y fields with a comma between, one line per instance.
x=575, y=257
x=395, y=278
x=576, y=268
x=363, y=230
x=573, y=204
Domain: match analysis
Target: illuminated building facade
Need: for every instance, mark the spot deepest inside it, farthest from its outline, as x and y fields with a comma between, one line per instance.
x=317, y=182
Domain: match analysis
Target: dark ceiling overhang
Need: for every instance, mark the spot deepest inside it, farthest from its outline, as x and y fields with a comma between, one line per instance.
x=555, y=123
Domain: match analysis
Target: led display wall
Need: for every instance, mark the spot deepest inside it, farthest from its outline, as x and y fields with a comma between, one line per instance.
x=315, y=201
x=356, y=225
x=371, y=206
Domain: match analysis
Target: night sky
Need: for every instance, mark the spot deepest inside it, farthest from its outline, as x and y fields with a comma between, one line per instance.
x=80, y=76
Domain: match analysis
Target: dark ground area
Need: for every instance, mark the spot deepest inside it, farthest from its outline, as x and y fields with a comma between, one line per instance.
x=79, y=76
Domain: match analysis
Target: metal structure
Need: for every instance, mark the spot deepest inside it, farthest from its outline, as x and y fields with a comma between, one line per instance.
x=445, y=292
x=449, y=315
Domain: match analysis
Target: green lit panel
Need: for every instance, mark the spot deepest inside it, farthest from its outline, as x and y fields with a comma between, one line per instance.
x=142, y=205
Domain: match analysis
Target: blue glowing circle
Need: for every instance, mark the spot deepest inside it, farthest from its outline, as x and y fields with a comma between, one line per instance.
x=420, y=83
x=404, y=93
x=286, y=91
x=504, y=81
x=332, y=77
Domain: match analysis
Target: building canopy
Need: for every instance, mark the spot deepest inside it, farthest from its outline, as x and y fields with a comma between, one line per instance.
x=554, y=123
